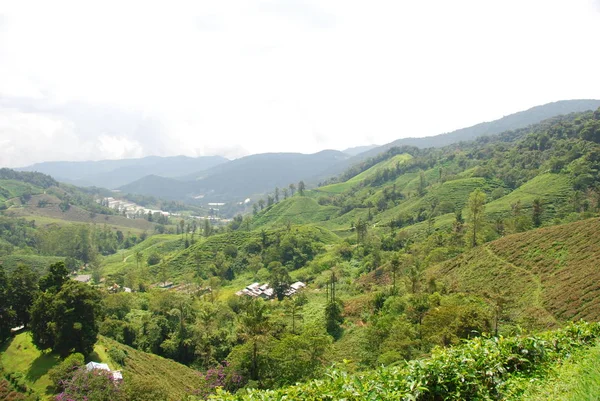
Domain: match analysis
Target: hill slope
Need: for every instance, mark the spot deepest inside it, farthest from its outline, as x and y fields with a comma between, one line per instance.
x=514, y=121
x=19, y=356
x=240, y=178
x=549, y=274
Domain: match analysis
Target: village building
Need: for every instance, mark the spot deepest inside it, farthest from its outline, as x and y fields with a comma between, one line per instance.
x=257, y=290
x=116, y=374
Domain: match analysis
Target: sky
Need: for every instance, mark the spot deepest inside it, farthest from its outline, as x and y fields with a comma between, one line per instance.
x=120, y=79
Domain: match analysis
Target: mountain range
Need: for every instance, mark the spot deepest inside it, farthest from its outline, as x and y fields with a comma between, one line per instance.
x=214, y=178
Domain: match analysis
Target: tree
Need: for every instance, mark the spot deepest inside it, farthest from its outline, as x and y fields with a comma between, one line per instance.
x=6, y=314
x=207, y=228
x=261, y=203
x=56, y=277
x=293, y=308
x=301, y=188
x=139, y=257
x=23, y=287
x=333, y=309
x=422, y=183
x=361, y=230
x=537, y=212
x=279, y=280
x=276, y=194
x=182, y=225
x=476, y=213
x=285, y=193
x=254, y=327
x=68, y=320
x=292, y=189
x=394, y=267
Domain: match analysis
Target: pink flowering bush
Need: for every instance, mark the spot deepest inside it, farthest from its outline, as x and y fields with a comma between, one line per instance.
x=94, y=385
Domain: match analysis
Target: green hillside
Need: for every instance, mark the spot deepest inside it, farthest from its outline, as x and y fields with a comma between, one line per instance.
x=378, y=168
x=548, y=275
x=296, y=210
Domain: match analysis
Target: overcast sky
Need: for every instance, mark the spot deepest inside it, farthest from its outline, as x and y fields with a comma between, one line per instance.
x=119, y=79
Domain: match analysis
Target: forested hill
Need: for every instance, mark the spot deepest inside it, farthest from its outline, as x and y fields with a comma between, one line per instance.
x=514, y=121
x=240, y=178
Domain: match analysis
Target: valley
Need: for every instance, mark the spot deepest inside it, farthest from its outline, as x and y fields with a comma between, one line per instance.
x=416, y=259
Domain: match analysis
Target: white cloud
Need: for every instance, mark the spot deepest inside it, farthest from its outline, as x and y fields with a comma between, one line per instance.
x=255, y=76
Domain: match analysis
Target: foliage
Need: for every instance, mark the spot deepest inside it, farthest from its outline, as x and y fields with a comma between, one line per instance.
x=67, y=320
x=476, y=370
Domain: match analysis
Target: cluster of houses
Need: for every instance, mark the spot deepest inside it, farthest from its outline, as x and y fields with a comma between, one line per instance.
x=115, y=374
x=256, y=290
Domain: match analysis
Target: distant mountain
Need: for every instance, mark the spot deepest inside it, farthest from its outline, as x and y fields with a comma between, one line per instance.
x=115, y=173
x=514, y=121
x=240, y=178
x=358, y=149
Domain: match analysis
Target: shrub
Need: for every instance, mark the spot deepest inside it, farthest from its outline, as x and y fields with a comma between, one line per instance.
x=64, y=371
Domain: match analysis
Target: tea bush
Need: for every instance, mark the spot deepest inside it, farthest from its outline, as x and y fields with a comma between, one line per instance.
x=477, y=369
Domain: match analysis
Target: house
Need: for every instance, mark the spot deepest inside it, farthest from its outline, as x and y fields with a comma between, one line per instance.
x=83, y=278
x=116, y=374
x=264, y=291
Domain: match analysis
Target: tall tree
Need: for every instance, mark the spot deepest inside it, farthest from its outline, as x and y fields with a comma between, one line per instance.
x=207, y=228
x=68, y=320
x=292, y=189
x=254, y=327
x=301, y=188
x=139, y=257
x=56, y=277
x=285, y=193
x=476, y=213
x=422, y=183
x=276, y=194
x=6, y=314
x=279, y=280
x=394, y=267
x=23, y=287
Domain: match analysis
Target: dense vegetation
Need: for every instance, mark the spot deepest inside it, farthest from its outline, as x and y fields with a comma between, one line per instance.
x=410, y=251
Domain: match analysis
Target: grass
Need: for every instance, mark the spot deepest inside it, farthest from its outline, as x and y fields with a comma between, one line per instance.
x=19, y=355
